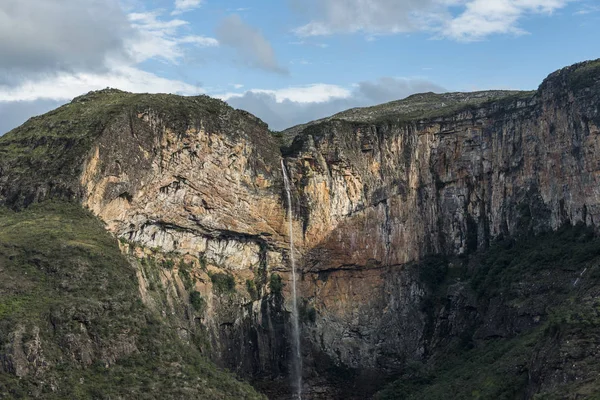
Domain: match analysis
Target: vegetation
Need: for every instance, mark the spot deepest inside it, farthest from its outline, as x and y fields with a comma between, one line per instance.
x=64, y=279
x=584, y=75
x=252, y=291
x=497, y=370
x=424, y=106
x=307, y=312
x=184, y=274
x=537, y=272
x=276, y=284
x=222, y=282
x=507, y=261
x=433, y=271
x=197, y=301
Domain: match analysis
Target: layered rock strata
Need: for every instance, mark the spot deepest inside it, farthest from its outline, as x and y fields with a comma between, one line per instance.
x=374, y=190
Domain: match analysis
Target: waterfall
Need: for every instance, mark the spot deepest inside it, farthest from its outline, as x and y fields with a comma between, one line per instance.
x=296, y=356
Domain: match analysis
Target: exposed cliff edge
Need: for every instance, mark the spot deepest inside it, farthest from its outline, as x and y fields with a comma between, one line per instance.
x=193, y=189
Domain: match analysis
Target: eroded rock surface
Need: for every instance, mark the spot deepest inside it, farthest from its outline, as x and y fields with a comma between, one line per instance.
x=374, y=190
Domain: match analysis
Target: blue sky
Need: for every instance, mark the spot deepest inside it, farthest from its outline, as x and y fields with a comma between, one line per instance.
x=287, y=61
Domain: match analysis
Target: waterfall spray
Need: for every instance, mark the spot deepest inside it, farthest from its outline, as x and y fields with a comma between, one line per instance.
x=296, y=356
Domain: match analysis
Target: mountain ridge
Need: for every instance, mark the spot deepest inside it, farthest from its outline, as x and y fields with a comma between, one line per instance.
x=403, y=221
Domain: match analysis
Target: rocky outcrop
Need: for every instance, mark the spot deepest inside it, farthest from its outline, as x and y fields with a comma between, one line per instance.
x=375, y=191
x=448, y=184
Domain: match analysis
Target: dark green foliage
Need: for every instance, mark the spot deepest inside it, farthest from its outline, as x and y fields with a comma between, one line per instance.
x=496, y=370
x=168, y=263
x=252, y=291
x=222, y=282
x=584, y=75
x=507, y=261
x=197, y=301
x=308, y=314
x=278, y=135
x=185, y=276
x=202, y=260
x=152, y=273
x=54, y=253
x=276, y=284
x=433, y=270
x=530, y=271
x=62, y=274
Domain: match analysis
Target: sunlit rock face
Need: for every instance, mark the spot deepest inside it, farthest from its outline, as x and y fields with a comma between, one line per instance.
x=392, y=191
x=377, y=189
x=374, y=190
x=208, y=194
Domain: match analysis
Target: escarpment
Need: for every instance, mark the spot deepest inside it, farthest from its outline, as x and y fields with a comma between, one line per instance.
x=394, y=207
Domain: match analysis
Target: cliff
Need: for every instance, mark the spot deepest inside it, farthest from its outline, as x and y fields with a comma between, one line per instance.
x=73, y=324
x=194, y=191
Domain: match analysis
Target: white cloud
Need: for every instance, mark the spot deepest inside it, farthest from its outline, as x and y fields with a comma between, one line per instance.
x=368, y=16
x=316, y=93
x=201, y=41
x=305, y=43
x=286, y=107
x=66, y=86
x=54, y=50
x=462, y=20
x=482, y=18
x=161, y=39
x=300, y=62
x=52, y=55
x=182, y=6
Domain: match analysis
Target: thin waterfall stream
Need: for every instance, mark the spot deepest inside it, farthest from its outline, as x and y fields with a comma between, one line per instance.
x=296, y=356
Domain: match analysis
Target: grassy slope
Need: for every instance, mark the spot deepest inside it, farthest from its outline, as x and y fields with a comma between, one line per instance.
x=523, y=273
x=61, y=273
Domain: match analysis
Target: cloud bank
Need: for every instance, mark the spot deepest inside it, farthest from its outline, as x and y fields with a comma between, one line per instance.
x=462, y=20
x=59, y=49
x=287, y=107
x=61, y=35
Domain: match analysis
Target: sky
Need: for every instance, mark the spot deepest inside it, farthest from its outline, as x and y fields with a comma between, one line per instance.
x=286, y=61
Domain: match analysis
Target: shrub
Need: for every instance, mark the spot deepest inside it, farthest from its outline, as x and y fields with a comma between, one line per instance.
x=433, y=270
x=307, y=312
x=197, y=301
x=276, y=284
x=202, y=260
x=252, y=291
x=222, y=282
x=185, y=276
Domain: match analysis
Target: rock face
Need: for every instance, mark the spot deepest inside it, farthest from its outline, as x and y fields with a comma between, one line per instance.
x=374, y=190
x=377, y=190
